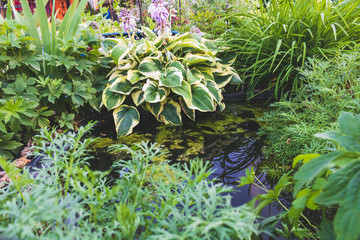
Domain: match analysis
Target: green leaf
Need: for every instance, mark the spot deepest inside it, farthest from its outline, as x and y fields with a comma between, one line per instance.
x=224, y=77
x=138, y=97
x=198, y=59
x=178, y=65
x=184, y=90
x=149, y=34
x=304, y=157
x=171, y=113
x=126, y=118
x=134, y=76
x=172, y=77
x=202, y=99
x=119, y=52
x=194, y=76
x=155, y=108
x=214, y=90
x=151, y=67
x=189, y=112
x=347, y=218
x=312, y=169
x=112, y=99
x=153, y=93
x=124, y=86
x=337, y=185
x=2, y=127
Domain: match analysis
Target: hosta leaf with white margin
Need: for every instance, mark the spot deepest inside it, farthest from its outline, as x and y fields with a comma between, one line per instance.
x=155, y=108
x=149, y=33
x=138, y=97
x=134, y=76
x=227, y=58
x=206, y=71
x=153, y=93
x=171, y=78
x=194, y=76
x=151, y=67
x=224, y=77
x=235, y=76
x=210, y=45
x=124, y=86
x=112, y=99
x=184, y=90
x=178, y=65
x=126, y=118
x=119, y=53
x=214, y=90
x=202, y=99
x=198, y=59
x=171, y=113
x=117, y=74
x=189, y=112
x=127, y=64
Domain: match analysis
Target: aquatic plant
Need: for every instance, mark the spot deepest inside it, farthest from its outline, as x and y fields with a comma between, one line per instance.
x=65, y=199
x=164, y=75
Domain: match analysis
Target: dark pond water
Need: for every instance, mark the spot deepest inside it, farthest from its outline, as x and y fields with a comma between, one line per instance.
x=227, y=139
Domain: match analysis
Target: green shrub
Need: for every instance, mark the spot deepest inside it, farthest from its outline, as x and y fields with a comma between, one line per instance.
x=323, y=182
x=164, y=75
x=331, y=87
x=275, y=41
x=150, y=200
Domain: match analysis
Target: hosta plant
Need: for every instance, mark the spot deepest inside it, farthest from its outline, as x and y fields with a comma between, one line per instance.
x=165, y=76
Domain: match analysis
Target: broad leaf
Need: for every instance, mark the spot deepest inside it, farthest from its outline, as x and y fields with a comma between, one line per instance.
x=172, y=77
x=112, y=99
x=171, y=113
x=202, y=99
x=151, y=67
x=155, y=108
x=134, y=76
x=126, y=118
x=124, y=86
x=194, y=76
x=138, y=97
x=184, y=90
x=214, y=90
x=153, y=93
x=198, y=59
x=119, y=53
x=189, y=112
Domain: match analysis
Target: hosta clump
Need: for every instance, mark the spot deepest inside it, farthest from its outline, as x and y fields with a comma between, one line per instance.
x=166, y=75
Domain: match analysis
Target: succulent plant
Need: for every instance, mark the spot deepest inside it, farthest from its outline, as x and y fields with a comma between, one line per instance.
x=166, y=75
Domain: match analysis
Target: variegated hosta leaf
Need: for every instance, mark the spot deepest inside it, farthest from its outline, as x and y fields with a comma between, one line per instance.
x=222, y=107
x=127, y=64
x=202, y=99
x=210, y=45
x=194, y=76
x=171, y=113
x=153, y=93
x=198, y=59
x=126, y=118
x=112, y=99
x=148, y=33
x=214, y=90
x=235, y=77
x=117, y=74
x=227, y=58
x=134, y=76
x=124, y=86
x=119, y=53
x=172, y=77
x=151, y=67
x=189, y=112
x=177, y=65
x=155, y=108
x=184, y=90
x=223, y=78
x=206, y=71
x=138, y=97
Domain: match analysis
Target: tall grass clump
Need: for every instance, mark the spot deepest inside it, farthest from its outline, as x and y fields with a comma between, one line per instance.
x=275, y=38
x=330, y=87
x=148, y=199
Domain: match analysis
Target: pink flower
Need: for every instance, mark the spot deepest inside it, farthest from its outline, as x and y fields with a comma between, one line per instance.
x=195, y=30
x=160, y=14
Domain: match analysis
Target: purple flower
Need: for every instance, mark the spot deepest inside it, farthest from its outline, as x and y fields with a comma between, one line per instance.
x=128, y=19
x=195, y=30
x=160, y=14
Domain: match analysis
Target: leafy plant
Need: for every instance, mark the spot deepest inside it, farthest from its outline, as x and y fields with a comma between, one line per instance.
x=331, y=87
x=147, y=201
x=164, y=75
x=323, y=182
x=275, y=38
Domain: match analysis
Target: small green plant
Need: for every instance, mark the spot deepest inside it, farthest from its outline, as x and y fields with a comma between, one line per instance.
x=323, y=182
x=148, y=200
x=165, y=75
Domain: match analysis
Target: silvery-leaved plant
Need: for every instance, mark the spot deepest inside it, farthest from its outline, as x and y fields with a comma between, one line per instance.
x=165, y=76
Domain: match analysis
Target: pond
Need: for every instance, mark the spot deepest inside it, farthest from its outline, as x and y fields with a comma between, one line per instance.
x=227, y=139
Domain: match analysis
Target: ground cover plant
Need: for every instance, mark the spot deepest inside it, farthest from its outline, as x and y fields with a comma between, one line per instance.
x=323, y=182
x=149, y=199
x=330, y=87
x=275, y=38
